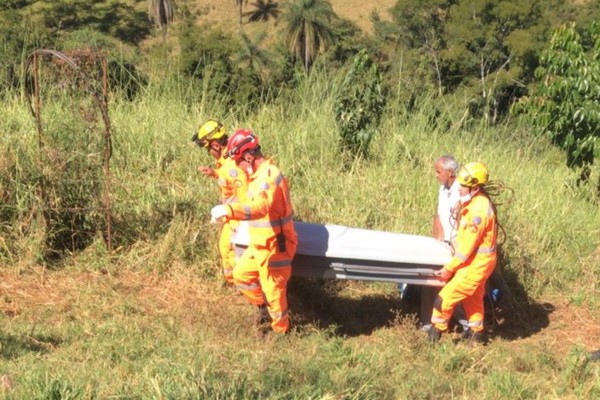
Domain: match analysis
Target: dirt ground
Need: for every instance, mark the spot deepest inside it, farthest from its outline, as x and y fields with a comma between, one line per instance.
x=554, y=323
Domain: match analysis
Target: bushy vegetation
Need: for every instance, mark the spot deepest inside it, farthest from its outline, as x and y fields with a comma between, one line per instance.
x=565, y=104
x=151, y=319
x=359, y=105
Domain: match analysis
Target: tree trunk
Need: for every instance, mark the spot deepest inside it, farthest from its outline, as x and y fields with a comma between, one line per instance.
x=306, y=53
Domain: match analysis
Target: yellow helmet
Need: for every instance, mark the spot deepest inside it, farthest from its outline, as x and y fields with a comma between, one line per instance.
x=210, y=130
x=473, y=174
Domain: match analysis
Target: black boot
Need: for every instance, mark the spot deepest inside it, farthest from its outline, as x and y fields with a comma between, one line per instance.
x=263, y=319
x=434, y=334
x=466, y=334
x=472, y=337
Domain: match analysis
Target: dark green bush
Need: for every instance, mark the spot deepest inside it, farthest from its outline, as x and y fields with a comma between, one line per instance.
x=359, y=105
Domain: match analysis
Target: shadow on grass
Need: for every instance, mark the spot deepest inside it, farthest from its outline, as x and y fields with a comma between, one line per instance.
x=318, y=302
x=515, y=315
x=12, y=347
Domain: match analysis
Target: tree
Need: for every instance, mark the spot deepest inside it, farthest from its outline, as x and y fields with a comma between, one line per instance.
x=565, y=104
x=263, y=11
x=161, y=12
x=309, y=29
x=487, y=49
x=359, y=105
x=250, y=55
x=240, y=5
x=117, y=19
x=420, y=25
x=478, y=51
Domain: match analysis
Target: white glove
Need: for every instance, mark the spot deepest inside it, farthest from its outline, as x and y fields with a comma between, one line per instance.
x=218, y=212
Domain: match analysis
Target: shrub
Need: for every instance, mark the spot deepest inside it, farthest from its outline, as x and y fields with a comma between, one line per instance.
x=359, y=105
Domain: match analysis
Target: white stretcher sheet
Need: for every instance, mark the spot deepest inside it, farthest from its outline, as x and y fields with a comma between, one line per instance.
x=338, y=241
x=341, y=252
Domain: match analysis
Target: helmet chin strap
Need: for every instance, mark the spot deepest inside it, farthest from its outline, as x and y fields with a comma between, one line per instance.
x=467, y=197
x=216, y=147
x=247, y=164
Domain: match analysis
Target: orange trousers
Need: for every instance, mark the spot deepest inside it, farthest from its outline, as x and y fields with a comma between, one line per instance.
x=227, y=251
x=261, y=275
x=460, y=289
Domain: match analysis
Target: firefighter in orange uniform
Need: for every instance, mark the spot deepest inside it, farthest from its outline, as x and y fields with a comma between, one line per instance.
x=232, y=182
x=474, y=259
x=262, y=272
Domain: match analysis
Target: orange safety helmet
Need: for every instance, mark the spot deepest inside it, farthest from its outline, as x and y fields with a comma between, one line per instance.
x=473, y=174
x=241, y=141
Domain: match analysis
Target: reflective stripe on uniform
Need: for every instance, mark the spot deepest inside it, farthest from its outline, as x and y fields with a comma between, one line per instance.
x=233, y=199
x=270, y=224
x=279, y=263
x=486, y=250
x=438, y=320
x=475, y=324
x=460, y=256
x=248, y=287
x=277, y=315
x=279, y=179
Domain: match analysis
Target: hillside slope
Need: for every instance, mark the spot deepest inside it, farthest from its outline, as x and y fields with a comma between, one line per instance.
x=356, y=11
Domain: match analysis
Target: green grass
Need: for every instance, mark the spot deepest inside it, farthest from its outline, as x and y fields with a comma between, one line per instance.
x=129, y=336
x=153, y=320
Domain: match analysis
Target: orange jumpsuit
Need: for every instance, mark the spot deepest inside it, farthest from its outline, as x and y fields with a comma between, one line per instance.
x=262, y=272
x=232, y=182
x=472, y=264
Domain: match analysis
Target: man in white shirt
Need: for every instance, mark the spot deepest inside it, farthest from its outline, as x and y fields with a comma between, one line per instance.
x=444, y=228
x=444, y=222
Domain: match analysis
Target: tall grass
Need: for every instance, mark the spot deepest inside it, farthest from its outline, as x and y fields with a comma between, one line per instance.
x=551, y=227
x=153, y=320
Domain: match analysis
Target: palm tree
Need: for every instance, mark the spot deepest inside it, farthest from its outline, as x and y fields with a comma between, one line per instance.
x=309, y=29
x=240, y=4
x=161, y=12
x=251, y=55
x=263, y=11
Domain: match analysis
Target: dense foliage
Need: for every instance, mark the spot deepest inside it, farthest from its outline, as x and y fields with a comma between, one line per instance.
x=485, y=50
x=566, y=103
x=359, y=105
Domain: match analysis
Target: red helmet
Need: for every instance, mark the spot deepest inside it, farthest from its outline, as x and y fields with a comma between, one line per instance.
x=239, y=142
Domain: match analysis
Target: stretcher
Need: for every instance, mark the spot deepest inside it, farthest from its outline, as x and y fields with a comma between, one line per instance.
x=341, y=252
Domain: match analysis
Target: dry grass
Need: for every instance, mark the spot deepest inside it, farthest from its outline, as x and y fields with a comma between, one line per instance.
x=59, y=295
x=66, y=293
